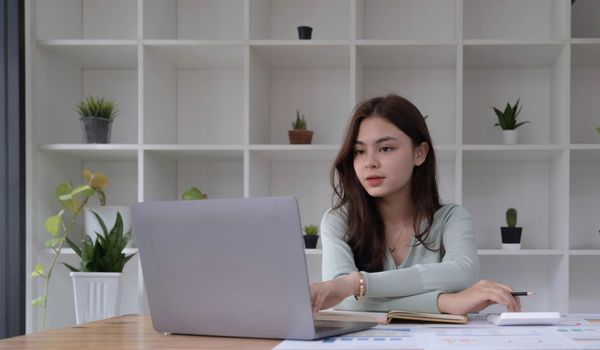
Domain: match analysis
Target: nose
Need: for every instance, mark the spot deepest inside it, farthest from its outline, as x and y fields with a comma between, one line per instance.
x=371, y=161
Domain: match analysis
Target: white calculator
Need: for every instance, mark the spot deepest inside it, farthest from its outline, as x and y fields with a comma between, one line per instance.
x=524, y=318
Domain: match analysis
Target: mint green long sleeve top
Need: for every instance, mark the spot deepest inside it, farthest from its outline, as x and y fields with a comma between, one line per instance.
x=416, y=284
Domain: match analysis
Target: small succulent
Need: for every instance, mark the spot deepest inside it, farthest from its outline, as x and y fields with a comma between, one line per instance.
x=300, y=122
x=193, y=193
x=99, y=107
x=311, y=230
x=507, y=120
x=511, y=217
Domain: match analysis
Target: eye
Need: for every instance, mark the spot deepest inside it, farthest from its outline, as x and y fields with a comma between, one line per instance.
x=386, y=149
x=358, y=152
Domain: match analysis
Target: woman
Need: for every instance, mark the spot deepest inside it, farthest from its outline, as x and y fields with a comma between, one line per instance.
x=388, y=242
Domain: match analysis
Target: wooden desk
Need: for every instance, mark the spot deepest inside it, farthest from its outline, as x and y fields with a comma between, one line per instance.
x=126, y=332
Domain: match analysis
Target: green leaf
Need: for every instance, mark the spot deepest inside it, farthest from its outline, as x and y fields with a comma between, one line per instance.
x=54, y=224
x=63, y=189
x=73, y=246
x=39, y=271
x=193, y=194
x=53, y=243
x=101, y=222
x=41, y=301
x=65, y=198
x=70, y=267
x=521, y=123
x=83, y=190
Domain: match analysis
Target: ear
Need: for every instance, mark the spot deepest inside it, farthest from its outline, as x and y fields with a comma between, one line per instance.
x=420, y=153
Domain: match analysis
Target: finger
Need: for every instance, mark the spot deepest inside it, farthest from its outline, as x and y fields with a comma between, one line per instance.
x=513, y=302
x=314, y=292
x=518, y=300
x=319, y=300
x=495, y=295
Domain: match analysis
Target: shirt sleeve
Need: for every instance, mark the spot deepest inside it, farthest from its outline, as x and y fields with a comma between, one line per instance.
x=458, y=270
x=425, y=302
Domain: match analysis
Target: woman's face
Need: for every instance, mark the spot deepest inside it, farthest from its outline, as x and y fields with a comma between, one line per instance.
x=384, y=157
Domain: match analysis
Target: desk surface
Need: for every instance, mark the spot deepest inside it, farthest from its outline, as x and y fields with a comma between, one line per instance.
x=126, y=332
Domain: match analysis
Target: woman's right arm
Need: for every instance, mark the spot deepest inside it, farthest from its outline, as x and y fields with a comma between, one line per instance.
x=338, y=259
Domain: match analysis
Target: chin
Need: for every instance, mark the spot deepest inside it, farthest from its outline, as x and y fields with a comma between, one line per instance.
x=377, y=193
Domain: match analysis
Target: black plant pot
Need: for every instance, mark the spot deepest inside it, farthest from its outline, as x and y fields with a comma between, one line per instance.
x=304, y=32
x=511, y=237
x=310, y=242
x=96, y=130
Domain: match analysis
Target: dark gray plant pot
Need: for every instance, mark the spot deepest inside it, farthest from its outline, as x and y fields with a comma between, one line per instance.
x=511, y=237
x=96, y=130
x=310, y=242
x=304, y=32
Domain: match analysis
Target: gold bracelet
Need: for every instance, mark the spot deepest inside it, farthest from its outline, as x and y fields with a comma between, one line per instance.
x=362, y=290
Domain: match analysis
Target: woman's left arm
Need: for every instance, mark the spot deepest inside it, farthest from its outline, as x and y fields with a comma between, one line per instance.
x=458, y=270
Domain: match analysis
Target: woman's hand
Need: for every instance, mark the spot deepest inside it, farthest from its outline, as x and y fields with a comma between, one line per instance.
x=330, y=293
x=477, y=297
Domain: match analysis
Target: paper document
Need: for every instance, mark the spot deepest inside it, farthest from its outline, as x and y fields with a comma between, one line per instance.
x=586, y=336
x=378, y=337
x=517, y=338
x=449, y=337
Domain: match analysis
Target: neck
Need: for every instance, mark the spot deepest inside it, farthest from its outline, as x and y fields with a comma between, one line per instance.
x=396, y=210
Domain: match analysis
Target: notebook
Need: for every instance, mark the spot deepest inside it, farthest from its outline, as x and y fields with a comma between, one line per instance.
x=228, y=267
x=391, y=317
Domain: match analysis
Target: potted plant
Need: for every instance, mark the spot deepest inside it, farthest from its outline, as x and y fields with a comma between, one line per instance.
x=98, y=182
x=97, y=115
x=299, y=134
x=304, y=32
x=96, y=283
x=193, y=193
x=311, y=236
x=73, y=200
x=507, y=120
x=511, y=234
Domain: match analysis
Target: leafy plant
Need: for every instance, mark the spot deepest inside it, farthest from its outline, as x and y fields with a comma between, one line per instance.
x=300, y=122
x=511, y=217
x=311, y=230
x=97, y=182
x=193, y=193
x=507, y=120
x=106, y=255
x=598, y=129
x=60, y=225
x=99, y=107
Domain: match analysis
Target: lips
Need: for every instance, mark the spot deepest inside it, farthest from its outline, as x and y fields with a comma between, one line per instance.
x=375, y=180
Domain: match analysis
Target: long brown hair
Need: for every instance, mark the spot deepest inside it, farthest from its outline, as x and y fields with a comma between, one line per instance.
x=365, y=234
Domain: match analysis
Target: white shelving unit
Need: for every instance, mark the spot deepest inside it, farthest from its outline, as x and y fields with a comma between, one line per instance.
x=207, y=90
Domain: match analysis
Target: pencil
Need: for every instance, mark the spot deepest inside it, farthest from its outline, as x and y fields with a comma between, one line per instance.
x=522, y=294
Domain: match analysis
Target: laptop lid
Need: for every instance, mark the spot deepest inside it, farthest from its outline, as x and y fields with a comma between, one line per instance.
x=225, y=267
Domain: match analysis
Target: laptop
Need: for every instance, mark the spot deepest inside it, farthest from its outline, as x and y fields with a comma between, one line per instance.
x=228, y=267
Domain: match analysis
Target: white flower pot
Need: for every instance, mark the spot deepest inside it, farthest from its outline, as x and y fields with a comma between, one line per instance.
x=97, y=295
x=510, y=137
x=108, y=213
x=511, y=246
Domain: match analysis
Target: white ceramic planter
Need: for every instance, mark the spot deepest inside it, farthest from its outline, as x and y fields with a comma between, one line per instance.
x=97, y=295
x=511, y=246
x=510, y=137
x=108, y=213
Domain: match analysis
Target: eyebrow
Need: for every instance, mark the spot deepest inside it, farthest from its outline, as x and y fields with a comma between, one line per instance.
x=383, y=139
